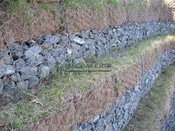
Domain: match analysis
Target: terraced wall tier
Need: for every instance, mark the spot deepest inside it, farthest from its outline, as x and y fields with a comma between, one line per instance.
x=118, y=115
x=22, y=66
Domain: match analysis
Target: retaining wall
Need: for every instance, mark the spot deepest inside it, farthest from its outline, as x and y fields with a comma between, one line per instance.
x=119, y=114
x=22, y=66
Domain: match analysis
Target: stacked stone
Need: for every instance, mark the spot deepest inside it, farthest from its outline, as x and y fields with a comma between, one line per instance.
x=22, y=66
x=118, y=115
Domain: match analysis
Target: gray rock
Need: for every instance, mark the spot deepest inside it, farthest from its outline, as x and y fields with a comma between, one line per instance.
x=28, y=72
x=3, y=53
x=10, y=87
x=126, y=106
x=61, y=59
x=126, y=115
x=78, y=40
x=120, y=44
x=7, y=60
x=35, y=60
x=52, y=39
x=13, y=46
x=64, y=40
x=55, y=53
x=1, y=85
x=49, y=42
x=18, y=52
x=86, y=34
x=23, y=85
x=84, y=48
x=47, y=45
x=107, y=48
x=44, y=71
x=16, y=77
x=75, y=46
x=100, y=51
x=5, y=78
x=96, y=118
x=95, y=31
x=76, y=54
x=50, y=59
x=6, y=70
x=69, y=51
x=91, y=35
x=33, y=81
x=19, y=64
x=86, y=54
x=103, y=40
x=79, y=60
x=61, y=49
x=32, y=42
x=25, y=47
x=33, y=51
x=109, y=127
x=52, y=67
x=44, y=52
x=101, y=123
x=92, y=48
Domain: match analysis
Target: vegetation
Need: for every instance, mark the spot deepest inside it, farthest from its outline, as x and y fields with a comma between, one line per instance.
x=153, y=109
x=22, y=9
x=16, y=6
x=46, y=6
x=114, y=2
x=38, y=106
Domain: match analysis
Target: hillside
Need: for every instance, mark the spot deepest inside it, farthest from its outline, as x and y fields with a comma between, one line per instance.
x=85, y=65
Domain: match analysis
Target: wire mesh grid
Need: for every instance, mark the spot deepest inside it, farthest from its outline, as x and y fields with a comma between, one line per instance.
x=27, y=20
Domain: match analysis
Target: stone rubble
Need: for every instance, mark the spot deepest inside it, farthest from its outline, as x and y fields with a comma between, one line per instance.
x=118, y=115
x=37, y=58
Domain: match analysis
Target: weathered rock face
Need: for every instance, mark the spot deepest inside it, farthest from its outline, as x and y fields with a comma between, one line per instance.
x=23, y=65
x=119, y=114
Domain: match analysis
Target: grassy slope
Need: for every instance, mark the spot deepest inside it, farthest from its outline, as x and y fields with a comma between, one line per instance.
x=47, y=102
x=152, y=110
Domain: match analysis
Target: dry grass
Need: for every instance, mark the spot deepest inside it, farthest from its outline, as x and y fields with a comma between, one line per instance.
x=153, y=109
x=54, y=95
x=27, y=21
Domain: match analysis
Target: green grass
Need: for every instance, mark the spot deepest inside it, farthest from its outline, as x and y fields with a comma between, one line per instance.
x=93, y=4
x=63, y=84
x=46, y=6
x=16, y=6
x=100, y=4
x=136, y=6
x=116, y=3
x=158, y=99
x=23, y=10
